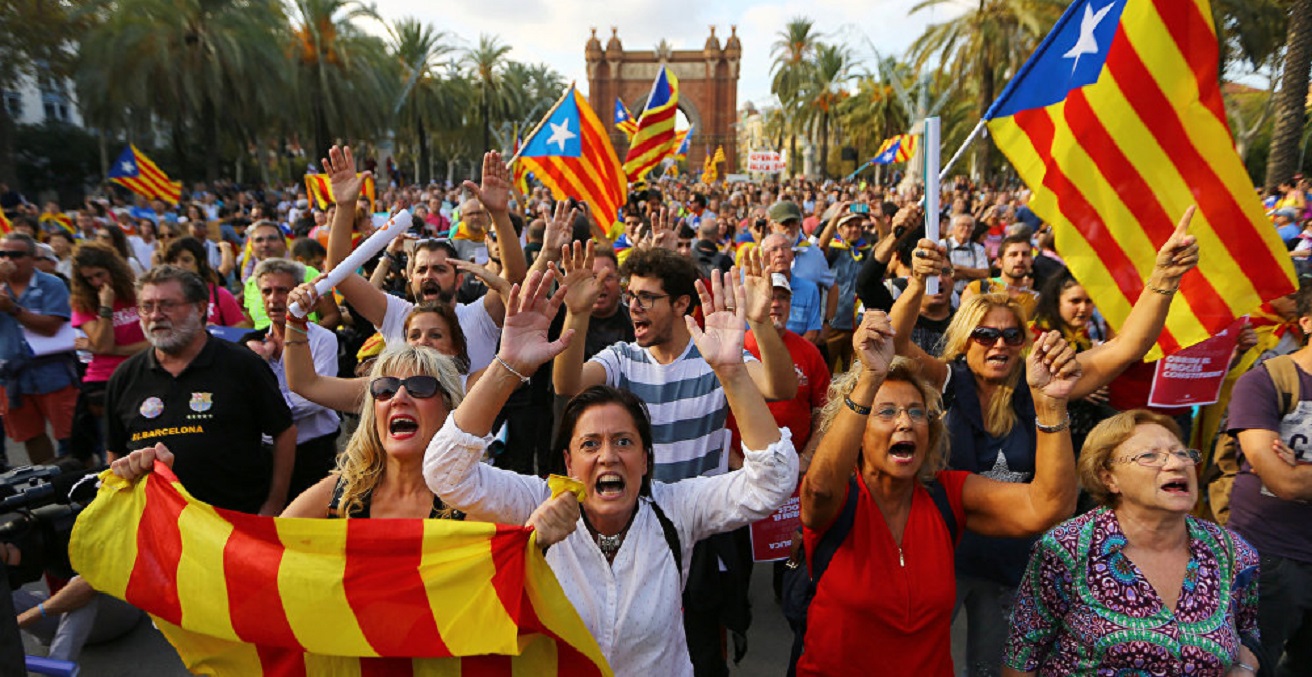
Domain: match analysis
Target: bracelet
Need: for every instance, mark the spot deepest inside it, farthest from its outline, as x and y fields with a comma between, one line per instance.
x=41, y=606
x=298, y=328
x=522, y=378
x=105, y=311
x=1065, y=424
x=1163, y=292
x=295, y=342
x=856, y=408
x=1244, y=666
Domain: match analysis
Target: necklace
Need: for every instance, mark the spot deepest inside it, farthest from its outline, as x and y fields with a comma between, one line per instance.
x=609, y=544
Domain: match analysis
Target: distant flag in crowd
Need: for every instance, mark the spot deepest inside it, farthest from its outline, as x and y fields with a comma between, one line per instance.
x=136, y=172
x=5, y=226
x=1117, y=125
x=239, y=594
x=624, y=119
x=571, y=154
x=898, y=148
x=320, y=190
x=719, y=155
x=709, y=172
x=655, y=136
x=685, y=140
x=61, y=220
x=518, y=174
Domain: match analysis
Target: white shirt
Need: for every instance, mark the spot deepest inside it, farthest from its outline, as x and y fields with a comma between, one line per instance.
x=481, y=332
x=312, y=420
x=633, y=606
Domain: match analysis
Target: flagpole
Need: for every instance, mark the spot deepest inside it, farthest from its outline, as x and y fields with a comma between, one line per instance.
x=858, y=171
x=974, y=133
x=933, y=152
x=543, y=121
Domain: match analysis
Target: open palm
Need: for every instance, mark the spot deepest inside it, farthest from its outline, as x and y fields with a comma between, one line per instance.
x=529, y=312
x=340, y=166
x=721, y=342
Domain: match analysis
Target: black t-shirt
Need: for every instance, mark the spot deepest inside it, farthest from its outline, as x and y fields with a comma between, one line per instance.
x=211, y=416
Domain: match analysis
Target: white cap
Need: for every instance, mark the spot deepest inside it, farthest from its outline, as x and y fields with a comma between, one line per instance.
x=780, y=281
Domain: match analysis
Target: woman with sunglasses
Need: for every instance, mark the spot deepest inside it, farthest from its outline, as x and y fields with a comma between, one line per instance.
x=625, y=561
x=429, y=325
x=891, y=530
x=990, y=420
x=1137, y=586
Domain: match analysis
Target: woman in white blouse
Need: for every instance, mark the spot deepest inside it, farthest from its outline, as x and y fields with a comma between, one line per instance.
x=624, y=565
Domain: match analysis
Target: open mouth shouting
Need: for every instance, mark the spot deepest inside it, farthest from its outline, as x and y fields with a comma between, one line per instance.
x=1176, y=487
x=429, y=290
x=902, y=452
x=609, y=485
x=402, y=427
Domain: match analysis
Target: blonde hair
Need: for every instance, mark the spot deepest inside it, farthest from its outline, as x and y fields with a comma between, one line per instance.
x=1107, y=437
x=902, y=370
x=362, y=465
x=999, y=418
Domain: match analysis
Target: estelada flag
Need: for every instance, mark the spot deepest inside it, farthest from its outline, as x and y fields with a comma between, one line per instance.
x=60, y=219
x=1117, y=125
x=136, y=172
x=320, y=190
x=654, y=139
x=897, y=148
x=571, y=154
x=238, y=594
x=624, y=119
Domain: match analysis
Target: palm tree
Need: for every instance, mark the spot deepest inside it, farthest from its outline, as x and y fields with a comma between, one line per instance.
x=486, y=64
x=792, y=52
x=986, y=46
x=342, y=72
x=830, y=74
x=182, y=62
x=418, y=50
x=1291, y=100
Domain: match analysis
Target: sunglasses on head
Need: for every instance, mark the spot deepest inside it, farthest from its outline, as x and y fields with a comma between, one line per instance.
x=419, y=387
x=988, y=336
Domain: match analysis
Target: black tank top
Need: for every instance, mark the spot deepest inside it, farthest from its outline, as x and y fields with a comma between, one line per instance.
x=439, y=511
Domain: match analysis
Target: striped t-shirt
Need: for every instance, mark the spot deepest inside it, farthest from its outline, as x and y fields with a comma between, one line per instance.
x=687, y=405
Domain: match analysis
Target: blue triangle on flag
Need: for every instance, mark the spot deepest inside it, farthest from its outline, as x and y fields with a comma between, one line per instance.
x=559, y=134
x=125, y=167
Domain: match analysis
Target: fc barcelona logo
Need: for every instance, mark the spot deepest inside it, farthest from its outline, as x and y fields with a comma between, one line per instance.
x=201, y=401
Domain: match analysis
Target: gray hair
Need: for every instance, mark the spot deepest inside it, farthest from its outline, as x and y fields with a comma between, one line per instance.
x=277, y=266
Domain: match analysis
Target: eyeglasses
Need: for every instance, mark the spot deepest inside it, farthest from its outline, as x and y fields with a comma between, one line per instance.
x=420, y=387
x=148, y=308
x=12, y=255
x=988, y=336
x=890, y=413
x=1157, y=459
x=267, y=238
x=645, y=299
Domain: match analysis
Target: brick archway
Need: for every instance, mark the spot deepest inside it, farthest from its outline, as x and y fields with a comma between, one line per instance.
x=708, y=89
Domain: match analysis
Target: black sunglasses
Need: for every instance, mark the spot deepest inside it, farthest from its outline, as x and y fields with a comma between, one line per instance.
x=420, y=387
x=988, y=336
x=12, y=255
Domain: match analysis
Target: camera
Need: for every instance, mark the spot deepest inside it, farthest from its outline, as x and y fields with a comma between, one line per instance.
x=37, y=514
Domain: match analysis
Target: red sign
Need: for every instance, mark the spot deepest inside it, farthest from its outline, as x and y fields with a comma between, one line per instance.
x=772, y=537
x=1194, y=375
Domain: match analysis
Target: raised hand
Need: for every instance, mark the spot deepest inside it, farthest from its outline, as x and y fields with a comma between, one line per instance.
x=560, y=227
x=1180, y=252
x=495, y=191
x=579, y=277
x=873, y=342
x=493, y=281
x=760, y=290
x=304, y=296
x=340, y=167
x=106, y=294
x=928, y=260
x=725, y=309
x=1051, y=368
x=529, y=311
x=663, y=233
x=555, y=519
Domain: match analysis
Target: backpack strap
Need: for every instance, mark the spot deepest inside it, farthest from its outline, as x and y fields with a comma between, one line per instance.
x=671, y=537
x=940, y=495
x=837, y=533
x=1285, y=377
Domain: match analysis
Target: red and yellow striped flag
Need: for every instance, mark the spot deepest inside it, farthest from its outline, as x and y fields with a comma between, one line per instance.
x=1117, y=125
x=5, y=226
x=60, y=219
x=239, y=594
x=320, y=190
x=139, y=174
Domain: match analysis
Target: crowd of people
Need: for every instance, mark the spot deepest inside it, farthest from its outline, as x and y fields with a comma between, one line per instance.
x=984, y=449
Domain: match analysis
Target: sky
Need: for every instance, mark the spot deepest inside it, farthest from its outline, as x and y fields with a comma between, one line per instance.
x=555, y=31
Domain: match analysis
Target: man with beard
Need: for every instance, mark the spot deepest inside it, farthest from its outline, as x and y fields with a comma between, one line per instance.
x=434, y=268
x=316, y=426
x=204, y=399
x=267, y=242
x=1016, y=263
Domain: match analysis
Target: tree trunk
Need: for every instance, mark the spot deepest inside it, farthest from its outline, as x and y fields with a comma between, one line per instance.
x=180, y=153
x=824, y=145
x=1291, y=100
x=8, y=169
x=424, y=161
x=209, y=122
x=984, y=147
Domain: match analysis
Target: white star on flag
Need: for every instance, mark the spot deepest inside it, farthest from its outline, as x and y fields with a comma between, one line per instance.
x=127, y=167
x=560, y=134
x=1085, y=44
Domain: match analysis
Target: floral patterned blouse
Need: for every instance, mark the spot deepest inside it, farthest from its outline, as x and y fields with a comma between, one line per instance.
x=1084, y=608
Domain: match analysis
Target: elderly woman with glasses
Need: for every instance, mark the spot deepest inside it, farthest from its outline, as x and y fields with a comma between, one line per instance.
x=990, y=419
x=1137, y=586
